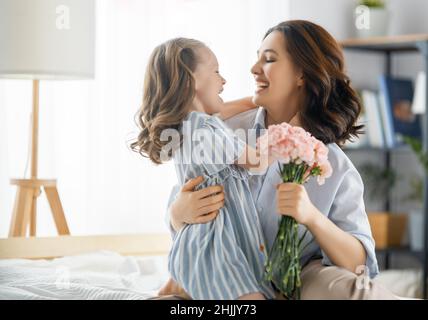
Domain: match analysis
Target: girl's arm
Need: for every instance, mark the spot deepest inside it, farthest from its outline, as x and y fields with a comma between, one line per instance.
x=234, y=107
x=252, y=160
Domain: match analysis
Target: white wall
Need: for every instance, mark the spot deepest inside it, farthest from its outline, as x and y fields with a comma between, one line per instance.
x=84, y=126
x=406, y=16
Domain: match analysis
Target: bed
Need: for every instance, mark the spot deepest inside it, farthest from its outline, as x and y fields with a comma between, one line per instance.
x=113, y=267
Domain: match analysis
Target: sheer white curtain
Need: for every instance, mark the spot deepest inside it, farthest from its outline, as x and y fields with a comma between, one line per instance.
x=85, y=125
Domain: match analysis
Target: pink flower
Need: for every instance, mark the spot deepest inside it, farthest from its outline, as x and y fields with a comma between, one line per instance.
x=295, y=146
x=321, y=151
x=326, y=172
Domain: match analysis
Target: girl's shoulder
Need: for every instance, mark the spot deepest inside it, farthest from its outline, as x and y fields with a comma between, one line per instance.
x=200, y=120
x=197, y=119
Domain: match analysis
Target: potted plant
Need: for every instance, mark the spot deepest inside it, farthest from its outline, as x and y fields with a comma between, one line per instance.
x=377, y=180
x=416, y=217
x=371, y=18
x=388, y=228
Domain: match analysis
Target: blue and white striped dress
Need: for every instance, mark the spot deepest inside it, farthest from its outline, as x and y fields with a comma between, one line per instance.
x=222, y=259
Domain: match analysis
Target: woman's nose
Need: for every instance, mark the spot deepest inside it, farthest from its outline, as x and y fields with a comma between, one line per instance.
x=223, y=80
x=255, y=69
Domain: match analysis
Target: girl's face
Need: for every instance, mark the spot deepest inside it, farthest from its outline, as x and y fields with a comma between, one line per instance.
x=277, y=79
x=208, y=82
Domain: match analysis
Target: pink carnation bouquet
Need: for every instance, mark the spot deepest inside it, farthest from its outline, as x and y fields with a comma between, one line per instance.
x=300, y=156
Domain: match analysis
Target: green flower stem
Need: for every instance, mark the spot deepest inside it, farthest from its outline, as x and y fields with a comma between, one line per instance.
x=283, y=267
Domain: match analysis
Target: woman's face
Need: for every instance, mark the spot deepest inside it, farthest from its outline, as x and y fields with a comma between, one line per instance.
x=208, y=82
x=277, y=79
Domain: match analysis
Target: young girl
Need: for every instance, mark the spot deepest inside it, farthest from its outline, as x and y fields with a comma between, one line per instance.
x=223, y=259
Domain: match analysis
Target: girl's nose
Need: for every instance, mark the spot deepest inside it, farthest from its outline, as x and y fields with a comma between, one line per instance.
x=223, y=80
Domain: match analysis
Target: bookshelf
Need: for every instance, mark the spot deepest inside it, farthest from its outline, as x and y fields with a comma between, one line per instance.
x=388, y=46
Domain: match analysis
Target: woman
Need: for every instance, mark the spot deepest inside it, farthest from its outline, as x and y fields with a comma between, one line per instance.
x=300, y=79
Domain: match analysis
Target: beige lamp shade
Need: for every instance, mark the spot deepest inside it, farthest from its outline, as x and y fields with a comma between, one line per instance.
x=47, y=39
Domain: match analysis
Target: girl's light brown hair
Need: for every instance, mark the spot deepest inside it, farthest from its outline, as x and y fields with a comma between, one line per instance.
x=331, y=106
x=169, y=89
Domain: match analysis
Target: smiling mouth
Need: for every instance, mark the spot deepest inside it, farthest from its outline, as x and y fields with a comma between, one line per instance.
x=219, y=94
x=260, y=86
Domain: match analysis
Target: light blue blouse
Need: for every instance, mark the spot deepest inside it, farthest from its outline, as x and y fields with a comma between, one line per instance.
x=340, y=198
x=222, y=259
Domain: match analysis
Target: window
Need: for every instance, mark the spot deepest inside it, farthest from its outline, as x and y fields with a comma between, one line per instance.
x=85, y=125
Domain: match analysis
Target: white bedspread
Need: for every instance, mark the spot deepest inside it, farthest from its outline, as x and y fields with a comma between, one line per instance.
x=98, y=275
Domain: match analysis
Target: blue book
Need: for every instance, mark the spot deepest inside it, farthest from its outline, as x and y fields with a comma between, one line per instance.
x=398, y=118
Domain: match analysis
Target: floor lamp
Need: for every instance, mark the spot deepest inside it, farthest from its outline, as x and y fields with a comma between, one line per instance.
x=43, y=40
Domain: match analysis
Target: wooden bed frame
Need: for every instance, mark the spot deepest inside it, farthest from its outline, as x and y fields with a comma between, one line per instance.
x=59, y=246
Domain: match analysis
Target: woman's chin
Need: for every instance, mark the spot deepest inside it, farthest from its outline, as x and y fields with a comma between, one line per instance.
x=258, y=100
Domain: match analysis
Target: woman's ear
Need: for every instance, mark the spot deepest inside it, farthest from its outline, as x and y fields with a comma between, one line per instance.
x=295, y=121
x=300, y=80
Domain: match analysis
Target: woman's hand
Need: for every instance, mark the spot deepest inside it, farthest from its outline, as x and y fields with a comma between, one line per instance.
x=343, y=249
x=192, y=207
x=293, y=201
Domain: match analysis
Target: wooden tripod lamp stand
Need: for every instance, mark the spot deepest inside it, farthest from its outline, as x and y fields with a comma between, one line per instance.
x=25, y=208
x=44, y=40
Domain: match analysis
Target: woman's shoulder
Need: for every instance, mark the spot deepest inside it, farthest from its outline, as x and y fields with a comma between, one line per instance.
x=344, y=175
x=339, y=161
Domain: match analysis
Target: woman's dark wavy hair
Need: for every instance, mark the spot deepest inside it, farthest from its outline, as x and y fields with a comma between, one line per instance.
x=331, y=106
x=169, y=89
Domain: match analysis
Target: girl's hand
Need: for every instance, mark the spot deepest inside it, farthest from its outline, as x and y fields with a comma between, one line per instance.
x=293, y=201
x=192, y=207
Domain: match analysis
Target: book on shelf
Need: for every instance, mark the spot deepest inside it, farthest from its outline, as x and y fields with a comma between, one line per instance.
x=398, y=118
x=371, y=119
x=374, y=127
x=419, y=98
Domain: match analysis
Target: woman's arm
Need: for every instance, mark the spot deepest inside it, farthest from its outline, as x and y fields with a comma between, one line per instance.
x=342, y=248
x=191, y=206
x=234, y=107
